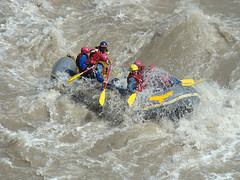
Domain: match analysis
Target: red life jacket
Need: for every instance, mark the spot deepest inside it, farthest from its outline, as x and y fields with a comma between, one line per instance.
x=88, y=62
x=95, y=55
x=138, y=78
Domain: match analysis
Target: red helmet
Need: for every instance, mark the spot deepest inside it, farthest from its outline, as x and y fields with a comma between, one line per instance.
x=103, y=57
x=138, y=63
x=152, y=66
x=85, y=50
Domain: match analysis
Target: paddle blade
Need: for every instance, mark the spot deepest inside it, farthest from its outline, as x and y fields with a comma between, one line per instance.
x=187, y=82
x=131, y=99
x=74, y=77
x=102, y=97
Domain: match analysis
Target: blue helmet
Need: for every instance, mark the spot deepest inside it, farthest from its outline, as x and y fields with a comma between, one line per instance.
x=103, y=44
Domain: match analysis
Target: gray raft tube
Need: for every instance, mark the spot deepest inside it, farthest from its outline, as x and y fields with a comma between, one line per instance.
x=64, y=64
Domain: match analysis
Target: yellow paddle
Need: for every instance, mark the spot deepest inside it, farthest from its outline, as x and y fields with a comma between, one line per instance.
x=133, y=96
x=190, y=82
x=102, y=97
x=187, y=82
x=197, y=82
x=77, y=75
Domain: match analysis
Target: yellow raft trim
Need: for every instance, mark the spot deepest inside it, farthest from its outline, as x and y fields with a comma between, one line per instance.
x=151, y=106
x=162, y=97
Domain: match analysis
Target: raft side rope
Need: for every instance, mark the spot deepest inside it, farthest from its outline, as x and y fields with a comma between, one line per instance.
x=152, y=106
x=69, y=55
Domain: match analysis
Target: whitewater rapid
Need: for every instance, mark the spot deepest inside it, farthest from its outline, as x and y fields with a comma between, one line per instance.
x=49, y=133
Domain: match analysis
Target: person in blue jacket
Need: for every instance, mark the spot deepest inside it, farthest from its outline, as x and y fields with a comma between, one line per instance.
x=83, y=62
x=101, y=68
x=134, y=79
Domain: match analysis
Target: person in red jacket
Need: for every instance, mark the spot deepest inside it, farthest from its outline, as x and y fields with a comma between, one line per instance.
x=158, y=77
x=141, y=68
x=134, y=79
x=96, y=53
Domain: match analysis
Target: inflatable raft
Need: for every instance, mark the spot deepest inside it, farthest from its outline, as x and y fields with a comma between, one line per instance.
x=156, y=100
x=179, y=100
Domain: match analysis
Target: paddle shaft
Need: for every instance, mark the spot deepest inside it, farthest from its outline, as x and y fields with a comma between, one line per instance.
x=133, y=96
x=198, y=82
x=144, y=82
x=87, y=70
x=108, y=74
x=77, y=75
x=102, y=96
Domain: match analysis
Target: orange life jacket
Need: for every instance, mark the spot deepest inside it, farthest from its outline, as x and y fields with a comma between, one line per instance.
x=105, y=68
